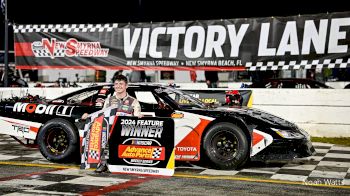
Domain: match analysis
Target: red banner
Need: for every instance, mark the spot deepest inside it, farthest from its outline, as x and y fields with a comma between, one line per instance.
x=94, y=152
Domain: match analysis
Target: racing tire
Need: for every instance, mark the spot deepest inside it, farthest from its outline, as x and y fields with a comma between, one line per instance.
x=226, y=146
x=58, y=141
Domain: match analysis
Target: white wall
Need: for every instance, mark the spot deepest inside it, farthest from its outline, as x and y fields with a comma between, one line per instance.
x=337, y=84
x=321, y=112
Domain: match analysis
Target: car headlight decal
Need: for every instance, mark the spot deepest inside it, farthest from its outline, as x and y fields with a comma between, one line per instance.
x=289, y=134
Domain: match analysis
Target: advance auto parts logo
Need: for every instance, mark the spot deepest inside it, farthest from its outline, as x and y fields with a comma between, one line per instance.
x=69, y=48
x=141, y=151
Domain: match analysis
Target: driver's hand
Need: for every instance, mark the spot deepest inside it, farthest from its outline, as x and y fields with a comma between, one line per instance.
x=84, y=116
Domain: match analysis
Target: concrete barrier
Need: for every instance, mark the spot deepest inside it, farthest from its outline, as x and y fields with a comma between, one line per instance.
x=321, y=112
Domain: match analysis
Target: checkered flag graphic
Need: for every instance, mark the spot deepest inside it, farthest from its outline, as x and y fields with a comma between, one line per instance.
x=109, y=117
x=59, y=53
x=156, y=153
x=94, y=154
x=294, y=65
x=69, y=28
x=41, y=53
x=45, y=53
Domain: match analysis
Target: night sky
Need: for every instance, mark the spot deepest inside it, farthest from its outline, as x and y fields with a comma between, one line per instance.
x=103, y=11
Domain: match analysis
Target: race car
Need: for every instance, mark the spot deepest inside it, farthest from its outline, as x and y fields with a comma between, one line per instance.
x=225, y=137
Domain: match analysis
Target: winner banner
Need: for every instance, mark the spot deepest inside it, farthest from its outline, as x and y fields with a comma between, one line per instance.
x=142, y=146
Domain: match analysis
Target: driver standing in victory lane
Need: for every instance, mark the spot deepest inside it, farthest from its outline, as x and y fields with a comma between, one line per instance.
x=126, y=106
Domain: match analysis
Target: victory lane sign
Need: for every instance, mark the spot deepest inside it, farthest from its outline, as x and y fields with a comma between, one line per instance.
x=142, y=146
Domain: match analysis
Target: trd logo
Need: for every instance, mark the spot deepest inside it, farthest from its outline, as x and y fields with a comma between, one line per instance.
x=20, y=128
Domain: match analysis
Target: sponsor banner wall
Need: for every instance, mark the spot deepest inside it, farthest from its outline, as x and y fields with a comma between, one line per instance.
x=271, y=43
x=142, y=145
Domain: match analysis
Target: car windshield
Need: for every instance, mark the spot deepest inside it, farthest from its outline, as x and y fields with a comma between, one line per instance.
x=182, y=99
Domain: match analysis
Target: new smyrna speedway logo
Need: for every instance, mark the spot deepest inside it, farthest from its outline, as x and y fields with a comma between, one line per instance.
x=69, y=48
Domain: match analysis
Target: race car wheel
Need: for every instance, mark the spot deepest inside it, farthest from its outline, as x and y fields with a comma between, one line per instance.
x=225, y=146
x=58, y=141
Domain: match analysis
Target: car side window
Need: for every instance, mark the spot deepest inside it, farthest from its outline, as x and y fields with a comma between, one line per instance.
x=149, y=101
x=162, y=105
x=145, y=98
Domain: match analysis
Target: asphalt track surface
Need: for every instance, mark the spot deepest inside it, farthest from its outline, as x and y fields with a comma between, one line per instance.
x=25, y=172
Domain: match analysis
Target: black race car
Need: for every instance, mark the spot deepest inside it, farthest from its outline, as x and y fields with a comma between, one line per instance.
x=226, y=137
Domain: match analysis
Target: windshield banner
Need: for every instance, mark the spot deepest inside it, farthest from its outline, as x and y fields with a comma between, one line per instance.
x=222, y=97
x=271, y=43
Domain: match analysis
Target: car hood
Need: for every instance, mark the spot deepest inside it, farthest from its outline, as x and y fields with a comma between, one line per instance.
x=258, y=114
